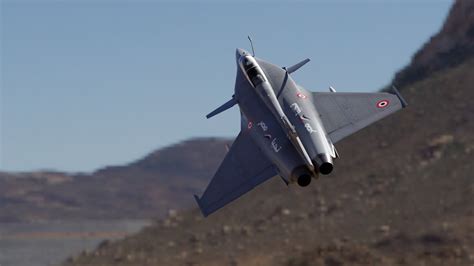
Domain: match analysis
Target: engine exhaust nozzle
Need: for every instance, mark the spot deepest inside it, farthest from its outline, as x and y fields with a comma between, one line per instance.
x=324, y=163
x=304, y=180
x=302, y=175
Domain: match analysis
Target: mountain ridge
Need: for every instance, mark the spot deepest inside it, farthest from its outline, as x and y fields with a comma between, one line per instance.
x=401, y=193
x=451, y=46
x=146, y=188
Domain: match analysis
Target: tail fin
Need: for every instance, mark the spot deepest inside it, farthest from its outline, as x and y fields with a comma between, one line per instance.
x=222, y=108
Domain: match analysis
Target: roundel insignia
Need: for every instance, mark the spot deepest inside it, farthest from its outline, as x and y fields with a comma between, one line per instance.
x=382, y=103
x=301, y=95
x=250, y=125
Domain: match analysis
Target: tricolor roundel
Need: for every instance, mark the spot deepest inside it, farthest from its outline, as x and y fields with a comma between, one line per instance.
x=382, y=103
x=301, y=95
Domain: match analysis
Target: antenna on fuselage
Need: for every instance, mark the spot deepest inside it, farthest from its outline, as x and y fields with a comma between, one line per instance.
x=251, y=44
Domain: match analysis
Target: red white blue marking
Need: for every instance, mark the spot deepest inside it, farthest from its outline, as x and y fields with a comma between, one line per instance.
x=250, y=125
x=301, y=95
x=382, y=103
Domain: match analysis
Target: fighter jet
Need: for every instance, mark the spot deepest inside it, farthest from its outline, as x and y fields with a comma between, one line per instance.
x=286, y=130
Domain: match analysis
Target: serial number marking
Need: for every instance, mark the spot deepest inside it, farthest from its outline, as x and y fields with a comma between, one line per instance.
x=276, y=147
x=309, y=128
x=262, y=125
x=296, y=108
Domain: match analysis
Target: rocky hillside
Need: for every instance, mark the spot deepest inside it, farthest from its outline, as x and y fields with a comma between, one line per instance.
x=402, y=193
x=146, y=188
x=453, y=45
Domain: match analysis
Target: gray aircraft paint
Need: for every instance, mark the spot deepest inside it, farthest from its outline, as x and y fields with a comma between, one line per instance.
x=265, y=91
x=285, y=129
x=267, y=133
x=316, y=142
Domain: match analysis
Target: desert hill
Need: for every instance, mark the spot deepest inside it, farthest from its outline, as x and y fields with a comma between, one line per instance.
x=147, y=188
x=451, y=46
x=402, y=193
x=406, y=198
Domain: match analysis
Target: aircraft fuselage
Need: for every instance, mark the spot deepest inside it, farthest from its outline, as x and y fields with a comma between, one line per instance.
x=289, y=112
x=286, y=130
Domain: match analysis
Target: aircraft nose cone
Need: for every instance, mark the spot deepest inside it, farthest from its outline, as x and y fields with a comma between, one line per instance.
x=240, y=52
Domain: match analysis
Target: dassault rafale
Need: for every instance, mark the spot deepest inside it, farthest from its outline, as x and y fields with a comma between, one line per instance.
x=286, y=130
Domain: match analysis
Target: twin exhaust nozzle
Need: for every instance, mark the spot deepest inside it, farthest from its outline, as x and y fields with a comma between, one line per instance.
x=324, y=166
x=324, y=163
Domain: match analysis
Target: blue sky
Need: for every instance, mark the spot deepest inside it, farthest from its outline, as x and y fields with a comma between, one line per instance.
x=86, y=84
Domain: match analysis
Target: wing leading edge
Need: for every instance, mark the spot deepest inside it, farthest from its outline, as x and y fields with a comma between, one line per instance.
x=243, y=168
x=343, y=114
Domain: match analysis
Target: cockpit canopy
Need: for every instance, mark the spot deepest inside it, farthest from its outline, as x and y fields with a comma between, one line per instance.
x=252, y=70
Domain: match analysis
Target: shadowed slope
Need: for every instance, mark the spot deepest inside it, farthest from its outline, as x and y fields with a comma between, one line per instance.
x=401, y=193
